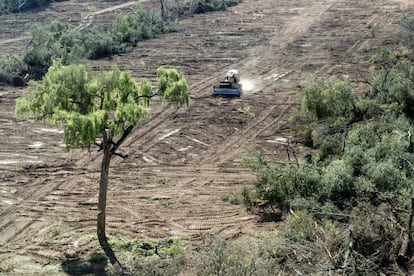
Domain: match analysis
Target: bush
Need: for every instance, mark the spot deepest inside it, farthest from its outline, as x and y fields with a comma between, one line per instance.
x=338, y=184
x=98, y=44
x=407, y=32
x=187, y=7
x=12, y=70
x=7, y=6
x=303, y=246
x=238, y=257
x=392, y=83
x=329, y=141
x=56, y=40
x=127, y=30
x=202, y=6
x=331, y=102
x=324, y=100
x=279, y=186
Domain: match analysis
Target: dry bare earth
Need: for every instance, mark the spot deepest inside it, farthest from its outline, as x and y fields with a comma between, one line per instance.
x=180, y=164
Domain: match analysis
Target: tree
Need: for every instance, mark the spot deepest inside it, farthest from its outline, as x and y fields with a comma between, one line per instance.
x=98, y=111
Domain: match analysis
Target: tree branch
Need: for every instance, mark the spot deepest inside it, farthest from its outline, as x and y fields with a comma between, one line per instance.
x=123, y=156
x=100, y=146
x=147, y=96
x=127, y=131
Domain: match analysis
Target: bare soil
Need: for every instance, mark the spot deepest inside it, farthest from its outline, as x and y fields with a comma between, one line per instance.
x=180, y=164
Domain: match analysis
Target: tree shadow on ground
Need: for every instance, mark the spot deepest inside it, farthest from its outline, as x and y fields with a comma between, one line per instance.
x=94, y=265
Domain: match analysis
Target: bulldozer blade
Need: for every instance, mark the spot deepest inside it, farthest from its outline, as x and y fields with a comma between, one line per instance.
x=227, y=92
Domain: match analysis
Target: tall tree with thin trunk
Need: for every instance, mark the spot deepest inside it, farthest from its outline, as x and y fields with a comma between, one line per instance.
x=98, y=111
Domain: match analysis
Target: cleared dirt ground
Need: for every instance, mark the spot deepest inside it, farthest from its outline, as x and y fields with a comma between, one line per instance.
x=182, y=164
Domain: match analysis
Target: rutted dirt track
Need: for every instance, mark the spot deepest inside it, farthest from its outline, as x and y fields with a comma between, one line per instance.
x=180, y=164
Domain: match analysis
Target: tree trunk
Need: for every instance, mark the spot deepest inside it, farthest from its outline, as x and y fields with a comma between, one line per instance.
x=163, y=13
x=103, y=187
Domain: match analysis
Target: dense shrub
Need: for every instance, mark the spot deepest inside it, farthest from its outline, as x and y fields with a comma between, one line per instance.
x=7, y=6
x=12, y=70
x=331, y=101
x=127, y=30
x=241, y=257
x=187, y=7
x=56, y=40
x=98, y=44
x=393, y=85
x=407, y=32
x=279, y=185
x=202, y=6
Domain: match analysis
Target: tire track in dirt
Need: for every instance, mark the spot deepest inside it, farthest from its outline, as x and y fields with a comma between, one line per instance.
x=7, y=224
x=176, y=205
x=231, y=148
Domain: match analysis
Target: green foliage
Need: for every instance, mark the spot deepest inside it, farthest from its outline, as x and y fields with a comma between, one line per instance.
x=172, y=87
x=279, y=185
x=87, y=107
x=392, y=80
x=64, y=41
x=98, y=43
x=303, y=246
x=233, y=198
x=230, y=258
x=56, y=40
x=331, y=101
x=330, y=142
x=127, y=30
x=7, y=6
x=144, y=257
x=246, y=195
x=377, y=239
x=338, y=183
x=187, y=7
x=202, y=6
x=407, y=32
x=11, y=69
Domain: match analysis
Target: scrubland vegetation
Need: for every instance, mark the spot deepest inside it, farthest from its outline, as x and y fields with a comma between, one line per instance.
x=72, y=44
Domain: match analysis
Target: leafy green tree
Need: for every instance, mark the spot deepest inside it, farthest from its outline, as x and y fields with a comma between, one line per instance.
x=98, y=111
x=56, y=40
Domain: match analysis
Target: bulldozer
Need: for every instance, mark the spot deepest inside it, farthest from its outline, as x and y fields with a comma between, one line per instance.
x=230, y=87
